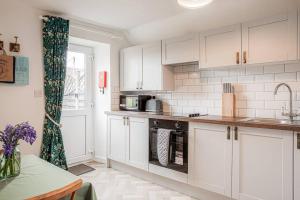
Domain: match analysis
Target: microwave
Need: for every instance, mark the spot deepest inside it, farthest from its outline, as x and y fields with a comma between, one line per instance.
x=134, y=102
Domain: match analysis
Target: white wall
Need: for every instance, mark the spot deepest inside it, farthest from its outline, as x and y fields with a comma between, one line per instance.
x=102, y=101
x=17, y=103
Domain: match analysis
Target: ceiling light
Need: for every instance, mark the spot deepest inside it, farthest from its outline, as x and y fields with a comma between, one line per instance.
x=193, y=4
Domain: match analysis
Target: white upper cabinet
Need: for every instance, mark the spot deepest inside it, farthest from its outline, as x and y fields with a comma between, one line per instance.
x=221, y=47
x=152, y=67
x=138, y=142
x=131, y=63
x=180, y=50
x=262, y=164
x=210, y=155
x=297, y=165
x=141, y=69
x=271, y=40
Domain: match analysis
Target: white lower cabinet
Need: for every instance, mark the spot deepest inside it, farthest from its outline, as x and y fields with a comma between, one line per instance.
x=117, y=137
x=242, y=163
x=137, y=143
x=297, y=166
x=128, y=140
x=210, y=153
x=262, y=164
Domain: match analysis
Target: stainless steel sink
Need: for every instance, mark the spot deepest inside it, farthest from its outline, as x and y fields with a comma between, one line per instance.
x=269, y=121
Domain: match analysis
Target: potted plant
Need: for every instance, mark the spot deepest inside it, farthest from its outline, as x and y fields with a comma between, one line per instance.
x=10, y=156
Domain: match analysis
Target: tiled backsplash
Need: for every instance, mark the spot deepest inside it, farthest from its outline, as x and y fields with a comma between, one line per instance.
x=201, y=90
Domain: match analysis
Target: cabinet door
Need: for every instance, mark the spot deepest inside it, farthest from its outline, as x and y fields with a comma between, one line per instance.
x=262, y=164
x=297, y=166
x=137, y=143
x=210, y=155
x=270, y=40
x=116, y=138
x=181, y=50
x=221, y=47
x=131, y=68
x=152, y=67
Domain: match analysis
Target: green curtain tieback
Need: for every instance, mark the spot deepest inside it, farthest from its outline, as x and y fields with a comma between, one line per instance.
x=53, y=121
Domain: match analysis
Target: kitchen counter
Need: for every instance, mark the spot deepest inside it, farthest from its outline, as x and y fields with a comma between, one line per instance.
x=210, y=119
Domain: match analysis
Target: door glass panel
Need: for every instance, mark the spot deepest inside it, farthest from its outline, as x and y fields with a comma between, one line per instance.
x=75, y=82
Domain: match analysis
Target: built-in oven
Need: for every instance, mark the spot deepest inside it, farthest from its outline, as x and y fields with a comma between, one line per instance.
x=177, y=144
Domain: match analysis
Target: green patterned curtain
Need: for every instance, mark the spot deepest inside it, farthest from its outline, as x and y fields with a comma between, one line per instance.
x=55, y=43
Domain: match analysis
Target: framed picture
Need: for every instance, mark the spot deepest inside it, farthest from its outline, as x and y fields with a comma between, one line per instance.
x=7, y=69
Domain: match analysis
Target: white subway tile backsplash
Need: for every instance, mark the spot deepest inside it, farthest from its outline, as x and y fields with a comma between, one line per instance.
x=246, y=79
x=246, y=112
x=264, y=95
x=286, y=77
x=251, y=69
x=264, y=78
x=265, y=113
x=273, y=69
x=292, y=67
x=201, y=90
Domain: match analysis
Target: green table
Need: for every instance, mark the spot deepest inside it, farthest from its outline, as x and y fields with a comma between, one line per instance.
x=39, y=177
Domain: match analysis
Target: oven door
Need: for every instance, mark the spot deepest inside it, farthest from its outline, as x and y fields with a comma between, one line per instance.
x=178, y=150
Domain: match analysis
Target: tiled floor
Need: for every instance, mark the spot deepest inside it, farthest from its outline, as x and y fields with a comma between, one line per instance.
x=111, y=184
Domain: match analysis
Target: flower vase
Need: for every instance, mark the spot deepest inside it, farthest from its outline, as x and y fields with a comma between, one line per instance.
x=10, y=166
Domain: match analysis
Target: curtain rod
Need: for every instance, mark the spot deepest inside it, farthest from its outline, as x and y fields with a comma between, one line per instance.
x=82, y=26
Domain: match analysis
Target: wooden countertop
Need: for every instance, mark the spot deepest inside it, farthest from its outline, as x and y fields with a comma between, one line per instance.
x=210, y=119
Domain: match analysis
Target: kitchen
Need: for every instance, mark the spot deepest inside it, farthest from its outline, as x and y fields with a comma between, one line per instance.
x=213, y=95
x=173, y=99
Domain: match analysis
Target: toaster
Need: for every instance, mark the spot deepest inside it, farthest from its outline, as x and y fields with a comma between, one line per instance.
x=154, y=105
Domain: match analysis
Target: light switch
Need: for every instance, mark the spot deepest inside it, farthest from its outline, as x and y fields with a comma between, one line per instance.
x=38, y=93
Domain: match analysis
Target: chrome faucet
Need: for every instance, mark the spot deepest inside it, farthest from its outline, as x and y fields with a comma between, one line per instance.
x=290, y=114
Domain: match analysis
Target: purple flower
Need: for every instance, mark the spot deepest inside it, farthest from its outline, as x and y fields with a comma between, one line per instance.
x=12, y=134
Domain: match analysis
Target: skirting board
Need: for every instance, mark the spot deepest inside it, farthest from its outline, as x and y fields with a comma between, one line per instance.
x=168, y=183
x=100, y=159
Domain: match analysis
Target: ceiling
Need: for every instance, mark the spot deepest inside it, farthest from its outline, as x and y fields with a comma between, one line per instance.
x=147, y=20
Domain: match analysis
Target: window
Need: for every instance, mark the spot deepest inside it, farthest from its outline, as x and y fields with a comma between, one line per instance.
x=75, y=82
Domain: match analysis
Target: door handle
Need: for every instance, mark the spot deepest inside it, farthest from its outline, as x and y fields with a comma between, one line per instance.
x=236, y=133
x=298, y=140
x=244, y=57
x=228, y=132
x=238, y=57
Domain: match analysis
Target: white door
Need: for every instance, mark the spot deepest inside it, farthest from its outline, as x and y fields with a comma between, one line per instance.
x=152, y=67
x=77, y=104
x=137, y=147
x=181, y=49
x=131, y=68
x=210, y=155
x=297, y=166
x=262, y=164
x=117, y=137
x=221, y=47
x=270, y=40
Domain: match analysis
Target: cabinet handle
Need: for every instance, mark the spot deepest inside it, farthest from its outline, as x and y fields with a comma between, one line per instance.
x=127, y=121
x=237, y=57
x=141, y=87
x=124, y=121
x=228, y=132
x=236, y=133
x=244, y=57
x=137, y=85
x=298, y=140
